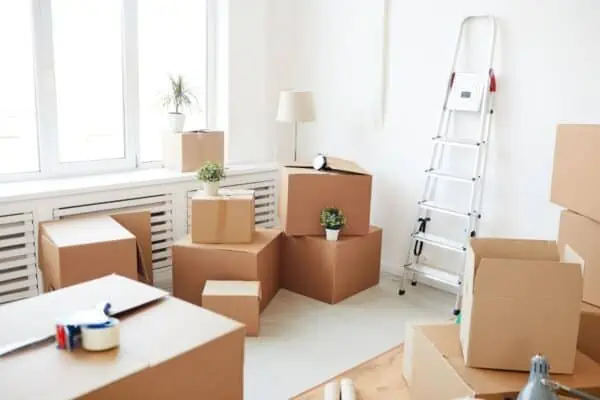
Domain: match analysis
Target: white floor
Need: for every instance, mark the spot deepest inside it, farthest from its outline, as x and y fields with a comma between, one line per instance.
x=304, y=342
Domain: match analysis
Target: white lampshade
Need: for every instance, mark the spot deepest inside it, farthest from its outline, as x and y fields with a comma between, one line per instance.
x=296, y=106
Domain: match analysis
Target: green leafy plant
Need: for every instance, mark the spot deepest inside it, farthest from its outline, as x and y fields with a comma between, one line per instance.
x=179, y=94
x=211, y=172
x=332, y=218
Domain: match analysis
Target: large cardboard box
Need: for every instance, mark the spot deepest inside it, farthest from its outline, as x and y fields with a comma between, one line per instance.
x=331, y=271
x=519, y=300
x=589, y=332
x=77, y=250
x=238, y=300
x=188, y=151
x=139, y=224
x=579, y=242
x=305, y=192
x=169, y=349
x=576, y=169
x=437, y=370
x=226, y=218
x=194, y=264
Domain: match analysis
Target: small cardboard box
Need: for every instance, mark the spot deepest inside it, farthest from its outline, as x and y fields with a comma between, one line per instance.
x=188, y=151
x=331, y=271
x=169, y=349
x=305, y=192
x=575, y=169
x=80, y=249
x=589, y=332
x=519, y=300
x=437, y=370
x=226, y=218
x=579, y=242
x=238, y=300
x=194, y=264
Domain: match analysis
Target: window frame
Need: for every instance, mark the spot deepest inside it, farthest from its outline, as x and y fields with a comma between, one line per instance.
x=45, y=95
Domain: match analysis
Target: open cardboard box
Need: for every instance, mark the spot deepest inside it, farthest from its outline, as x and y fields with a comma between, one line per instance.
x=589, y=331
x=169, y=349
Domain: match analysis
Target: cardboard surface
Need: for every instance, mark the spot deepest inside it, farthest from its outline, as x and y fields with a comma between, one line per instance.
x=305, y=192
x=80, y=249
x=439, y=372
x=589, y=332
x=138, y=223
x=579, y=241
x=519, y=300
x=169, y=348
x=331, y=271
x=188, y=151
x=194, y=264
x=576, y=169
x=223, y=219
x=238, y=300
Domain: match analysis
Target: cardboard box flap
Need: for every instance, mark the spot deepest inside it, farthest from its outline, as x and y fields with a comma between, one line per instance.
x=138, y=223
x=81, y=231
x=334, y=164
x=232, y=288
x=261, y=239
x=37, y=316
x=590, y=309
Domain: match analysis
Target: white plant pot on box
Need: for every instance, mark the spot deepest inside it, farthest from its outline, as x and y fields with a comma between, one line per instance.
x=332, y=234
x=176, y=122
x=211, y=188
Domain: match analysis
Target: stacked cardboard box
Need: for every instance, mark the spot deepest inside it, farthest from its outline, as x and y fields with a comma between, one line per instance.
x=188, y=151
x=328, y=271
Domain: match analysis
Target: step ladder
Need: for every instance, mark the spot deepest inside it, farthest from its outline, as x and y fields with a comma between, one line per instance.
x=466, y=92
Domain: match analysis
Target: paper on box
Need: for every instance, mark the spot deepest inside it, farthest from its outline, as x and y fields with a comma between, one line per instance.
x=589, y=332
x=238, y=300
x=188, y=151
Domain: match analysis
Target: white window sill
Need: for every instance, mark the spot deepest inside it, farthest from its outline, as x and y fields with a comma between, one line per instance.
x=45, y=188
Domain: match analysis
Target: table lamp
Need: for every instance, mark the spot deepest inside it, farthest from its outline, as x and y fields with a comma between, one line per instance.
x=296, y=106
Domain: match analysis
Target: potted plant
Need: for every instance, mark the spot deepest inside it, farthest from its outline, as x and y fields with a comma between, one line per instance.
x=179, y=96
x=333, y=220
x=211, y=175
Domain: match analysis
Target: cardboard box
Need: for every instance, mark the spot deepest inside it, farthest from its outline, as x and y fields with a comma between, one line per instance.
x=579, y=242
x=188, y=151
x=305, y=192
x=227, y=218
x=194, y=264
x=519, y=300
x=589, y=332
x=576, y=169
x=81, y=249
x=169, y=349
x=138, y=223
x=438, y=370
x=331, y=271
x=238, y=300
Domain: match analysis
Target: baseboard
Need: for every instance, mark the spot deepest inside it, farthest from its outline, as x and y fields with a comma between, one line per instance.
x=395, y=273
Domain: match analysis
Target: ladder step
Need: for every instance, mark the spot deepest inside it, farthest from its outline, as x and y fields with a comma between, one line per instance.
x=433, y=206
x=457, y=142
x=439, y=242
x=446, y=175
x=435, y=274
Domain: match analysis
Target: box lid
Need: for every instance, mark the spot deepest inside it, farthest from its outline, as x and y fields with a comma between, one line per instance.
x=232, y=288
x=333, y=164
x=82, y=231
x=261, y=239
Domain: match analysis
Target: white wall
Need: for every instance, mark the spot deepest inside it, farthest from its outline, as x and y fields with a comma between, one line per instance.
x=547, y=65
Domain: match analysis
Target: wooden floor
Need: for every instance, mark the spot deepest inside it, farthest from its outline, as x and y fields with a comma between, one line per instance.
x=376, y=379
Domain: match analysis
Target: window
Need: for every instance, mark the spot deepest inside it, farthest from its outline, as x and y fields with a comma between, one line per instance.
x=81, y=91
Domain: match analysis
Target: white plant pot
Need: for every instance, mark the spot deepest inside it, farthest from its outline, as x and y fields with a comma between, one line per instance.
x=332, y=234
x=176, y=122
x=211, y=188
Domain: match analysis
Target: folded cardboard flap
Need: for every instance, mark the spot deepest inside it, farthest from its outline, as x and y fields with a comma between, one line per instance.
x=139, y=224
x=334, y=164
x=514, y=249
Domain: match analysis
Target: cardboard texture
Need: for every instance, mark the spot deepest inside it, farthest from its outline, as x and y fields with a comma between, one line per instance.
x=589, y=332
x=169, y=349
x=238, y=300
x=575, y=169
x=80, y=249
x=194, y=264
x=305, y=192
x=439, y=372
x=227, y=218
x=579, y=242
x=519, y=300
x=331, y=271
x=138, y=223
x=188, y=151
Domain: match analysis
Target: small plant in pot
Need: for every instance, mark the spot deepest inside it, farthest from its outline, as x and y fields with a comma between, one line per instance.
x=333, y=220
x=178, y=97
x=211, y=175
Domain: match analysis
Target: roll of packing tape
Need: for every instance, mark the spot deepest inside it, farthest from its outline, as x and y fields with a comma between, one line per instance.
x=100, y=337
x=347, y=389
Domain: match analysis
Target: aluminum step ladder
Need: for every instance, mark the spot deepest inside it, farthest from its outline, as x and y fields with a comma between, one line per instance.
x=466, y=92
